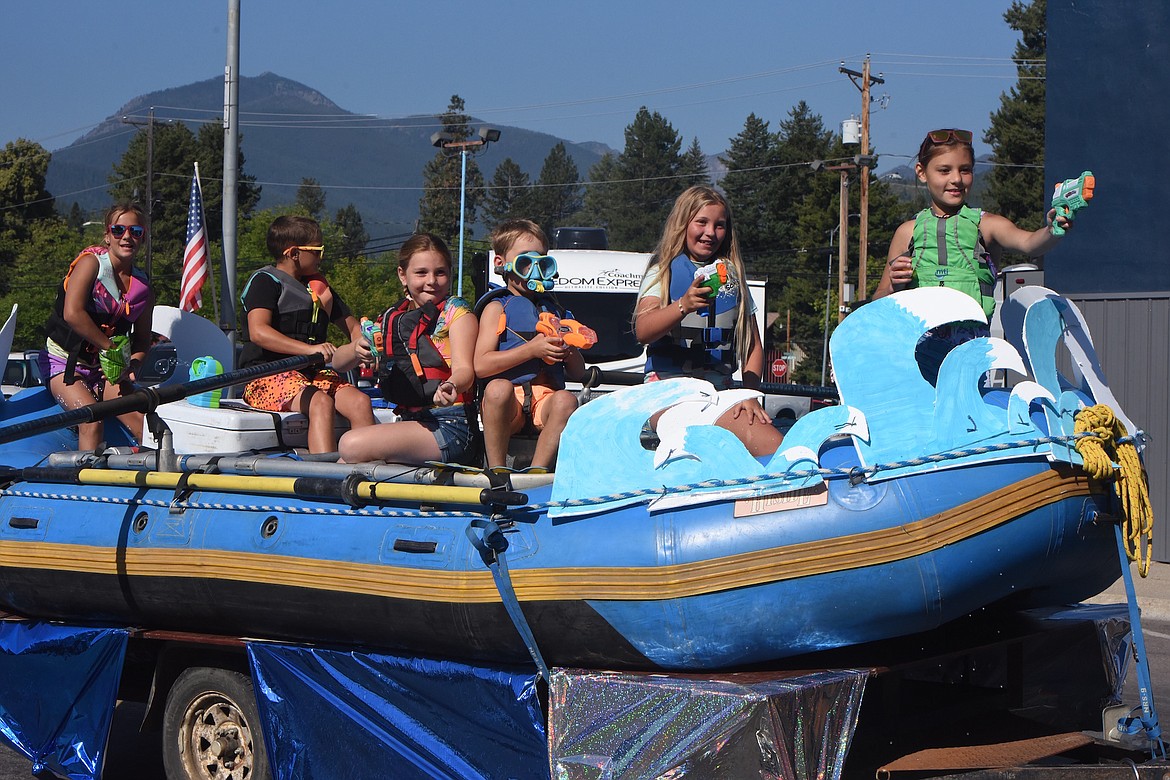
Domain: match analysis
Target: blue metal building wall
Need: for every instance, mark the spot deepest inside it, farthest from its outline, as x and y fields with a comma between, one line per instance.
x=1108, y=70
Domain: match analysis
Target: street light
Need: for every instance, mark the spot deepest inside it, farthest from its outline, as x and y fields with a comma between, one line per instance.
x=447, y=141
x=828, y=300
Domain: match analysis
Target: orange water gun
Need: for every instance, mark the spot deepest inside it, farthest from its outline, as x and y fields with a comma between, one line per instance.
x=572, y=332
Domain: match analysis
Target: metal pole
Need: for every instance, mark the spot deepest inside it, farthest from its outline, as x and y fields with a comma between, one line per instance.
x=843, y=246
x=863, y=182
x=231, y=137
x=462, y=206
x=828, y=302
x=149, y=194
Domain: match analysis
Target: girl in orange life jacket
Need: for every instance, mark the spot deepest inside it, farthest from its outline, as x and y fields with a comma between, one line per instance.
x=103, y=296
x=289, y=307
x=672, y=313
x=437, y=409
x=950, y=244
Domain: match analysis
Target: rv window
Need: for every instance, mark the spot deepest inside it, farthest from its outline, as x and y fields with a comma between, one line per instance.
x=608, y=314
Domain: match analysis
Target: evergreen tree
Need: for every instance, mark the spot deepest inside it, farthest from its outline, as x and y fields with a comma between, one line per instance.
x=209, y=154
x=751, y=160
x=24, y=201
x=311, y=198
x=599, y=193
x=1016, y=183
x=557, y=195
x=693, y=166
x=507, y=195
x=644, y=182
x=33, y=270
x=352, y=231
x=439, y=207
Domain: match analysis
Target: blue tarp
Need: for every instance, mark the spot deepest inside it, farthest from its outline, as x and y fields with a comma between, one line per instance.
x=347, y=714
x=58, y=687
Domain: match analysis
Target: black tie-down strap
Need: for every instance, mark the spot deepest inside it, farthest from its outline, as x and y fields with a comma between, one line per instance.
x=488, y=538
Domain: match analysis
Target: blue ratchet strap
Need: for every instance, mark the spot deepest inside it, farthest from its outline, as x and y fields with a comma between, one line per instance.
x=491, y=545
x=1148, y=722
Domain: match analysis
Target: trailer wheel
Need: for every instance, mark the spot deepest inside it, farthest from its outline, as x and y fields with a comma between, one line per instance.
x=211, y=728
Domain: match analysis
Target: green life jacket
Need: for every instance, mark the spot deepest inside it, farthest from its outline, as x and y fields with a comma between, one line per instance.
x=949, y=252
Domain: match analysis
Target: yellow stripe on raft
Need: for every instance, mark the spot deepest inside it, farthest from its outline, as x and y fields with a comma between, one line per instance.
x=805, y=559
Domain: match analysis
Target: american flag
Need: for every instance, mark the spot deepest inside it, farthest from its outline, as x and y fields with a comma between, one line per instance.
x=195, y=258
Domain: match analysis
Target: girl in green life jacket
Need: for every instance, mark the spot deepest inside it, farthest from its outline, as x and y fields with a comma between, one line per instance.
x=950, y=244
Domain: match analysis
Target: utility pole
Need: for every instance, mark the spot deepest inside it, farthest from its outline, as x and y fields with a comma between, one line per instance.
x=843, y=244
x=863, y=81
x=149, y=125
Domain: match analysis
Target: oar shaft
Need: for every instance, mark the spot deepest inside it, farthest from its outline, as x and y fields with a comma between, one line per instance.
x=302, y=487
x=149, y=398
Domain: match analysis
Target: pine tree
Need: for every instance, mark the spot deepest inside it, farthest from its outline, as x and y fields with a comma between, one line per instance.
x=557, y=194
x=353, y=232
x=506, y=195
x=751, y=162
x=442, y=179
x=693, y=166
x=311, y=198
x=1016, y=184
x=644, y=182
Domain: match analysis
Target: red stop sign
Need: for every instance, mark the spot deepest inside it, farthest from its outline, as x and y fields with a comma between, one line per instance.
x=779, y=368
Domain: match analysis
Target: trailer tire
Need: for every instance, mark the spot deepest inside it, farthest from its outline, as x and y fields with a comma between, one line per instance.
x=211, y=728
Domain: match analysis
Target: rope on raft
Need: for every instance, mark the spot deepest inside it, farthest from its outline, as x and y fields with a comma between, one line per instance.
x=1110, y=453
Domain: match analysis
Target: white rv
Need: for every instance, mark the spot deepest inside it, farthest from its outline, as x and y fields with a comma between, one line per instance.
x=600, y=288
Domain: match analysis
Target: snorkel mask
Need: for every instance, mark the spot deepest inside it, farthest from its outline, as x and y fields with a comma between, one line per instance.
x=539, y=272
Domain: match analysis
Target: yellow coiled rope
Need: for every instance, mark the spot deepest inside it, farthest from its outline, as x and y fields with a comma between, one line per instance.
x=1100, y=452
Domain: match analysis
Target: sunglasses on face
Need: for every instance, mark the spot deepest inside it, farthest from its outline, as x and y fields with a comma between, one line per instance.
x=943, y=136
x=319, y=248
x=136, y=231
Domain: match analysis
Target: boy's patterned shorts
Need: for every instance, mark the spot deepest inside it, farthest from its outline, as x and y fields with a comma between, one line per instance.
x=275, y=393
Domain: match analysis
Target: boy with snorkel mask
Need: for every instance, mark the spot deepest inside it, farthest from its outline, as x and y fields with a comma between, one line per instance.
x=523, y=365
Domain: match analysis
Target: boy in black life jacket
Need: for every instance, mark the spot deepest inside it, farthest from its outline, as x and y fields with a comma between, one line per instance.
x=525, y=370
x=289, y=306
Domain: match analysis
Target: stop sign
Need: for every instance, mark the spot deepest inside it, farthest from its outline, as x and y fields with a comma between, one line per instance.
x=779, y=368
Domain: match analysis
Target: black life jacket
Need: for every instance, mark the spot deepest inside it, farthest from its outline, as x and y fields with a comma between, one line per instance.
x=414, y=367
x=302, y=313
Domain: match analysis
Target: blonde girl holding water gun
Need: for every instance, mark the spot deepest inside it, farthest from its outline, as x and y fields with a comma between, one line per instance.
x=694, y=326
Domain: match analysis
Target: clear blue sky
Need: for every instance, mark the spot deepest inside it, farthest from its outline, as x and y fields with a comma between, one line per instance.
x=576, y=70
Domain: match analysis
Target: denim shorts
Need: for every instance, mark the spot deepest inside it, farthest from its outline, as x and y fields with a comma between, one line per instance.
x=451, y=428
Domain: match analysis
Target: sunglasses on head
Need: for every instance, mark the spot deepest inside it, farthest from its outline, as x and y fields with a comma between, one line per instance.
x=136, y=231
x=943, y=136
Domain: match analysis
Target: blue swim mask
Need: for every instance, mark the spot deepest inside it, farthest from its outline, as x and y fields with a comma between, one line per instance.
x=539, y=272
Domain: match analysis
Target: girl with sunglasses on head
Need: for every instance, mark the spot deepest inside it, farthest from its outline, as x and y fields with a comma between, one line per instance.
x=699, y=327
x=428, y=374
x=950, y=244
x=99, y=329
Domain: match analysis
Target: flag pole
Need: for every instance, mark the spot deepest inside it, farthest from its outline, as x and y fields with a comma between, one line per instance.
x=231, y=131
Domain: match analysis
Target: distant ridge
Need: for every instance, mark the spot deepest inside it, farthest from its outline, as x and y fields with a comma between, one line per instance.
x=374, y=163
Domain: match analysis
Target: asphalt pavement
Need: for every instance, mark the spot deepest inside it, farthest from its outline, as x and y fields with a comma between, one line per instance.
x=1153, y=592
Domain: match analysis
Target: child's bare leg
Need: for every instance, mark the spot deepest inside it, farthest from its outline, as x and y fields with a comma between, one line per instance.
x=354, y=405
x=499, y=410
x=318, y=406
x=555, y=412
x=75, y=396
x=759, y=437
